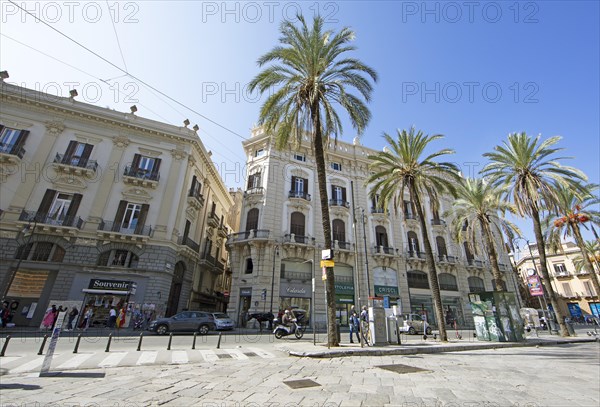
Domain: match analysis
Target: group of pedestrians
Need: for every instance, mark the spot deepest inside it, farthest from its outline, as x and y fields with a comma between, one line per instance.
x=51, y=316
x=354, y=321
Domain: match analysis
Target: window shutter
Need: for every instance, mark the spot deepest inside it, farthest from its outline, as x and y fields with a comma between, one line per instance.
x=142, y=219
x=155, y=168
x=305, y=185
x=69, y=152
x=293, y=187
x=250, y=180
x=186, y=231
x=46, y=203
x=136, y=161
x=258, y=180
x=193, y=188
x=87, y=152
x=73, y=209
x=20, y=141
x=119, y=216
x=344, y=194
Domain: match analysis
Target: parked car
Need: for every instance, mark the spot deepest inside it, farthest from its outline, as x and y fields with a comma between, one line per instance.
x=223, y=321
x=186, y=321
x=414, y=324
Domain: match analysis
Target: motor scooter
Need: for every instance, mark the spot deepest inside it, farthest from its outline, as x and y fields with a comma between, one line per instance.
x=282, y=330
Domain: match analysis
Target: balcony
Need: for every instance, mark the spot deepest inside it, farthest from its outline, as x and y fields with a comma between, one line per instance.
x=299, y=195
x=51, y=222
x=222, y=231
x=562, y=274
x=413, y=254
x=293, y=238
x=12, y=149
x=448, y=287
x=410, y=216
x=195, y=199
x=384, y=250
x=254, y=191
x=475, y=263
x=114, y=231
x=451, y=259
x=504, y=267
x=140, y=177
x=213, y=220
x=339, y=202
x=343, y=245
x=438, y=222
x=75, y=165
x=296, y=275
x=381, y=211
x=186, y=241
x=249, y=235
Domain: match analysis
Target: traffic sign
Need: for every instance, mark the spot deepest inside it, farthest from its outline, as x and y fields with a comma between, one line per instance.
x=327, y=263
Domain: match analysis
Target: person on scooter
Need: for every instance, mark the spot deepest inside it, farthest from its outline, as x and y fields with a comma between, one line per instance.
x=288, y=320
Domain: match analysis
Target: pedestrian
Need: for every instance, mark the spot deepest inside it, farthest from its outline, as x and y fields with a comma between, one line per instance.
x=121, y=318
x=112, y=317
x=50, y=317
x=87, y=318
x=72, y=315
x=354, y=323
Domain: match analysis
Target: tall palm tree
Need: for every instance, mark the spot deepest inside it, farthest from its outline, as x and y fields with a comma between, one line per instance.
x=531, y=173
x=480, y=207
x=574, y=210
x=592, y=251
x=400, y=168
x=314, y=76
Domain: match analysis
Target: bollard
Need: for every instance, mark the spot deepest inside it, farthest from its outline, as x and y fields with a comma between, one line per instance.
x=194, y=342
x=77, y=343
x=219, y=341
x=108, y=344
x=140, y=342
x=170, y=339
x=43, y=344
x=5, y=345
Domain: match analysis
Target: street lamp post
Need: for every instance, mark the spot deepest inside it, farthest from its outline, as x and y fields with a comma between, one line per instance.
x=366, y=254
x=13, y=273
x=275, y=252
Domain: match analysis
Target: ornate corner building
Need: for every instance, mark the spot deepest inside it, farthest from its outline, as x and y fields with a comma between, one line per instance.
x=277, y=251
x=102, y=208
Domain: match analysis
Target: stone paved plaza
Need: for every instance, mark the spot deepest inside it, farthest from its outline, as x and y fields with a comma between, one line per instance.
x=559, y=375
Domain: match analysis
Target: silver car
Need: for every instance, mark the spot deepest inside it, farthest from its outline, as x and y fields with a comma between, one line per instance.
x=186, y=321
x=223, y=321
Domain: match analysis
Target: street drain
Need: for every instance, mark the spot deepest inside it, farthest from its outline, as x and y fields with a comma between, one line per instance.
x=302, y=383
x=251, y=354
x=224, y=356
x=402, y=369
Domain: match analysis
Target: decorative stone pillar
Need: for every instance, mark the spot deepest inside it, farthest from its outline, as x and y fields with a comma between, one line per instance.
x=166, y=205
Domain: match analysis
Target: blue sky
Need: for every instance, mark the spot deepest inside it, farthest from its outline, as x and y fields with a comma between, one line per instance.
x=473, y=71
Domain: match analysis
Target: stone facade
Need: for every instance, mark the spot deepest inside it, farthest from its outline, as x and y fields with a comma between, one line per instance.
x=91, y=193
x=277, y=250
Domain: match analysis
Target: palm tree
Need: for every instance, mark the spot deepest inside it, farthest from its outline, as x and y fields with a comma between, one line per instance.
x=574, y=210
x=314, y=76
x=400, y=168
x=531, y=173
x=592, y=251
x=480, y=207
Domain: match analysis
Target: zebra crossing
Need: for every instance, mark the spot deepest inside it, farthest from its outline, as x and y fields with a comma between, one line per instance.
x=94, y=360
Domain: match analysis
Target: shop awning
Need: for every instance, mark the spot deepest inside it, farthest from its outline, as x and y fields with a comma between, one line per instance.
x=94, y=291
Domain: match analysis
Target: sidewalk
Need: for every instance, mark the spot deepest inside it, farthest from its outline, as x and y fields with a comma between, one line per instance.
x=413, y=347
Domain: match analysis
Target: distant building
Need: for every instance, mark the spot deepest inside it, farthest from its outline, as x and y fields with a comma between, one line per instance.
x=101, y=208
x=574, y=288
x=277, y=250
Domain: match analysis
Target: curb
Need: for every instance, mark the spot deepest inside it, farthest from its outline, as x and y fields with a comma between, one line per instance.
x=413, y=350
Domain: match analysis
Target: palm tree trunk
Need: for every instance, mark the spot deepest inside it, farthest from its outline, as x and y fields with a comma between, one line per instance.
x=433, y=280
x=586, y=258
x=537, y=228
x=322, y=181
x=491, y=249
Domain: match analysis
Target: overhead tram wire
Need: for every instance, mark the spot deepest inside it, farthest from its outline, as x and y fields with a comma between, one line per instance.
x=117, y=37
x=129, y=74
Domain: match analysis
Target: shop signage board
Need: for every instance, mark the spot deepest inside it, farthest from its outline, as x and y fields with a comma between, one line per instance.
x=535, y=286
x=112, y=285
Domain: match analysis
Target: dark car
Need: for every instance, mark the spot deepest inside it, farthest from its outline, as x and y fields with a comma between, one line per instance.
x=186, y=321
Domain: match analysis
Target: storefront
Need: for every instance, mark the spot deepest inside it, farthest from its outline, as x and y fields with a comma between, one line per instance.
x=423, y=305
x=245, y=304
x=344, y=299
x=294, y=295
x=386, y=284
x=102, y=295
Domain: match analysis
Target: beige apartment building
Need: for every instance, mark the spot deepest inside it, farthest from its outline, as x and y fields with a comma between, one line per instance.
x=574, y=288
x=101, y=208
x=277, y=250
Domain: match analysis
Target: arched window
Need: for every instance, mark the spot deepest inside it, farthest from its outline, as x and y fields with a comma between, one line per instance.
x=297, y=224
x=417, y=279
x=476, y=284
x=413, y=244
x=441, y=247
x=252, y=220
x=447, y=282
x=339, y=230
x=381, y=237
x=41, y=251
x=118, y=258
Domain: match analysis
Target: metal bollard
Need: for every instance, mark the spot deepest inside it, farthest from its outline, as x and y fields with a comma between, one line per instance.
x=170, y=339
x=140, y=342
x=108, y=344
x=77, y=343
x=194, y=342
x=219, y=341
x=43, y=344
x=5, y=345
